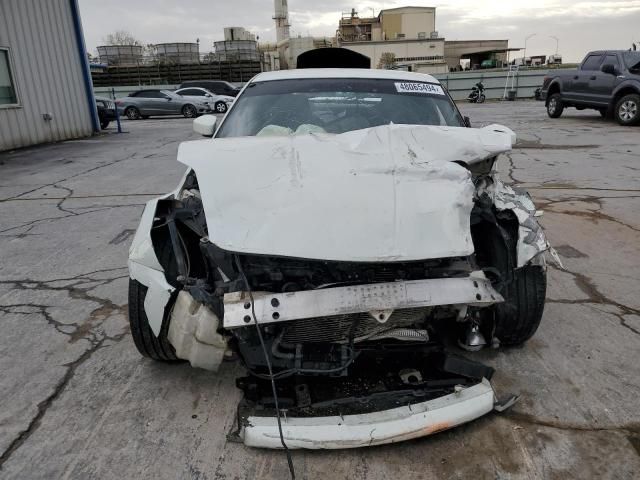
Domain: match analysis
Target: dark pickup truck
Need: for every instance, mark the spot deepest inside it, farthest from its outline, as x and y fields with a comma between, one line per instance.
x=607, y=81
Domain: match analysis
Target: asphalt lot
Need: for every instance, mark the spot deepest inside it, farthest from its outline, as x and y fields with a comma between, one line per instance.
x=78, y=401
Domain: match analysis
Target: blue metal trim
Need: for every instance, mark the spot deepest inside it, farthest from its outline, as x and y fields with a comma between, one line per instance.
x=84, y=61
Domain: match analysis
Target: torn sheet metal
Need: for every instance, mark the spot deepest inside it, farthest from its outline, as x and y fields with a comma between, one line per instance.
x=282, y=307
x=387, y=426
x=145, y=268
x=158, y=292
x=388, y=193
x=531, y=238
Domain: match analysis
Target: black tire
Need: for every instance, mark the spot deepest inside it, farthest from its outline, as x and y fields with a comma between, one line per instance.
x=189, y=111
x=555, y=106
x=627, y=110
x=132, y=113
x=220, y=107
x=481, y=99
x=518, y=318
x=104, y=124
x=156, y=348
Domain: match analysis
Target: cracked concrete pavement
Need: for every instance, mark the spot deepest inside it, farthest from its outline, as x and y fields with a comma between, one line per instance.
x=79, y=402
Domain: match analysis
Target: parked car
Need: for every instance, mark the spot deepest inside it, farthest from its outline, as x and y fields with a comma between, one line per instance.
x=219, y=103
x=106, y=111
x=218, y=87
x=607, y=81
x=339, y=225
x=147, y=103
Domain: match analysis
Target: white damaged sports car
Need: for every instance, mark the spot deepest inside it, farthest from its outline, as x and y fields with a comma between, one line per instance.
x=343, y=235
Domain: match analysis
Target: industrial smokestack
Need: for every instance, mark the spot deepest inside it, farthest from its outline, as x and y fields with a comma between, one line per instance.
x=281, y=17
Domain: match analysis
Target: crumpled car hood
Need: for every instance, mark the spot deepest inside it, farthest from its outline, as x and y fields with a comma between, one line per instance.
x=388, y=193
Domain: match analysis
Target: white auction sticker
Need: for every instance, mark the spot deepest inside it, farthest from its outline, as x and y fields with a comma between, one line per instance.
x=405, y=87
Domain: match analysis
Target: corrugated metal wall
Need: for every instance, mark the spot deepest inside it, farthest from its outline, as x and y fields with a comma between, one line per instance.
x=47, y=71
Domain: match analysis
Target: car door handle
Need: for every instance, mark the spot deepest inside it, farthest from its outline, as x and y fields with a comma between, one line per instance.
x=593, y=77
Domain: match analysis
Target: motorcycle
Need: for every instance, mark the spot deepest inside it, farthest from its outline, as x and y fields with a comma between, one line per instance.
x=477, y=94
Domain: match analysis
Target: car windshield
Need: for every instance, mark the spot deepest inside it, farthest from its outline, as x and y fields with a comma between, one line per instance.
x=336, y=105
x=632, y=59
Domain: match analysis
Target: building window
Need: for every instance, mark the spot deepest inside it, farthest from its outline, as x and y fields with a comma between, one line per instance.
x=7, y=86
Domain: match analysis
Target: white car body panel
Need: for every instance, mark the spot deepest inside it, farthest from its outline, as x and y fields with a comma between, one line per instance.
x=364, y=430
x=158, y=293
x=309, y=196
x=145, y=267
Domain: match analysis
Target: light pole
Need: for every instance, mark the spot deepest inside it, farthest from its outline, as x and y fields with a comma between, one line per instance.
x=557, y=42
x=525, y=46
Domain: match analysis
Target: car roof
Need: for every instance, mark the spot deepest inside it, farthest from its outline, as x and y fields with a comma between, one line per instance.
x=344, y=73
x=198, y=82
x=192, y=87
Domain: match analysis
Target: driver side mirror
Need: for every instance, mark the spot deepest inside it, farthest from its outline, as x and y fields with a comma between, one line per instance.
x=467, y=122
x=609, y=68
x=205, y=125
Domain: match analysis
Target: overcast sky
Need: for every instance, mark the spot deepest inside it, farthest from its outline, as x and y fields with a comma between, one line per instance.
x=579, y=25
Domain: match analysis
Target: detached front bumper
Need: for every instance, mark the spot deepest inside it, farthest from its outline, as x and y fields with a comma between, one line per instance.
x=377, y=428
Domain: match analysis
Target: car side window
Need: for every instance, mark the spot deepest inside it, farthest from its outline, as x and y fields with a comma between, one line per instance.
x=194, y=92
x=611, y=59
x=592, y=62
x=150, y=94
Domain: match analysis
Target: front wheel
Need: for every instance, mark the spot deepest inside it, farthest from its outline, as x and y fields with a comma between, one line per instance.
x=627, y=111
x=104, y=124
x=156, y=348
x=220, y=107
x=481, y=98
x=518, y=318
x=555, y=106
x=189, y=111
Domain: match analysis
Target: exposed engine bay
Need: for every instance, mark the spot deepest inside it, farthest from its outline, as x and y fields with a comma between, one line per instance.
x=345, y=338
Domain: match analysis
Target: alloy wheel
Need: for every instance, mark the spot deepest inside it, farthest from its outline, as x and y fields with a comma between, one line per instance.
x=628, y=110
x=189, y=111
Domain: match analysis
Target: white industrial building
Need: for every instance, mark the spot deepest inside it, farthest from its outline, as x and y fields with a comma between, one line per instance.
x=46, y=94
x=407, y=33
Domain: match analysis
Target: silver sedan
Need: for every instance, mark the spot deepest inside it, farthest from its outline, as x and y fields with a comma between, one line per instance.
x=146, y=103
